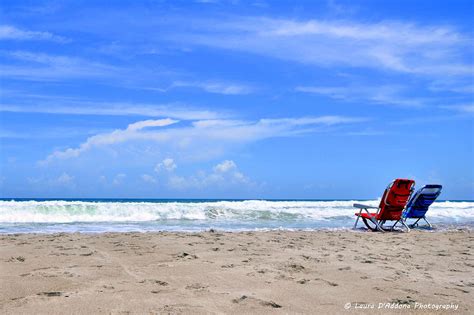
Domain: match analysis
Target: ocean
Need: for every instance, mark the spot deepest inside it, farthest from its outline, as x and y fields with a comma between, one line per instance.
x=126, y=215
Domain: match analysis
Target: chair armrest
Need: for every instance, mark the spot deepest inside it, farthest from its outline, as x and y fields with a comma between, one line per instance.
x=361, y=206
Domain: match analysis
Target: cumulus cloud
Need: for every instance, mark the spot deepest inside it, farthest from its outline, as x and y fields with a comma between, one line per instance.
x=223, y=175
x=148, y=179
x=167, y=164
x=225, y=166
x=119, y=179
x=65, y=179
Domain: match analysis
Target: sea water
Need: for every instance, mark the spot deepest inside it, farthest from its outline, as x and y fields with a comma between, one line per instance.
x=114, y=215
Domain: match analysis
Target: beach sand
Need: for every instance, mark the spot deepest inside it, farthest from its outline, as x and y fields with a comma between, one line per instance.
x=247, y=272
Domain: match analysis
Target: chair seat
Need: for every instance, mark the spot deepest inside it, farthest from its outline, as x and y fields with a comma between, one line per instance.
x=366, y=215
x=414, y=216
x=393, y=201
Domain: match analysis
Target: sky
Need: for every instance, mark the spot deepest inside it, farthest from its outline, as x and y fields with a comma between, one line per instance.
x=235, y=99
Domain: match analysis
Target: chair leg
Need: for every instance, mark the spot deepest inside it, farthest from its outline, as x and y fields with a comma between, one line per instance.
x=355, y=224
x=393, y=226
x=429, y=224
x=405, y=225
x=415, y=224
x=379, y=227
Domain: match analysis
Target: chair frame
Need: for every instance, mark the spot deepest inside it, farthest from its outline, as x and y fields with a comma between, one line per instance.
x=415, y=224
x=379, y=223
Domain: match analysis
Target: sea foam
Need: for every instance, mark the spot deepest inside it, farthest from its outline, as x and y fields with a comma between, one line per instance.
x=227, y=214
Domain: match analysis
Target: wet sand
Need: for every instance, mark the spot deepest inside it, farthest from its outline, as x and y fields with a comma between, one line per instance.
x=249, y=272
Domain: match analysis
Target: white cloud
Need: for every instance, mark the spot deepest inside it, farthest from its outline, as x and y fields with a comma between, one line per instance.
x=205, y=136
x=133, y=132
x=38, y=66
x=341, y=9
x=453, y=85
x=464, y=108
x=433, y=50
x=207, y=1
x=65, y=179
x=223, y=175
x=33, y=180
x=74, y=107
x=119, y=179
x=167, y=164
x=216, y=87
x=8, y=32
x=366, y=132
x=225, y=166
x=403, y=33
x=148, y=179
x=321, y=120
x=376, y=94
x=151, y=123
x=179, y=182
x=45, y=67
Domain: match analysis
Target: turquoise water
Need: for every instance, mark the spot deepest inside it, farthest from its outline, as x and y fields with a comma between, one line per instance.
x=118, y=215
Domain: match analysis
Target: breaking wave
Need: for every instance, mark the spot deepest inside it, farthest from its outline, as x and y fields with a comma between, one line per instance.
x=93, y=211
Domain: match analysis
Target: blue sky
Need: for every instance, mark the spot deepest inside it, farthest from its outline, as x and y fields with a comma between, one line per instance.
x=235, y=99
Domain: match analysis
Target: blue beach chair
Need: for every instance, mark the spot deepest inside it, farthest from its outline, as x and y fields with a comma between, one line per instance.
x=420, y=202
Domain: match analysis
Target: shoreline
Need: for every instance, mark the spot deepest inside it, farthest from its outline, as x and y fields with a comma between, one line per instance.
x=437, y=228
x=236, y=272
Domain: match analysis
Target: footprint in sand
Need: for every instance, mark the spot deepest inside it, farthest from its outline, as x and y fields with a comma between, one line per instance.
x=186, y=256
x=228, y=266
x=410, y=291
x=344, y=268
x=294, y=267
x=154, y=281
x=197, y=287
x=244, y=299
x=17, y=259
x=178, y=309
x=50, y=294
x=407, y=300
x=442, y=294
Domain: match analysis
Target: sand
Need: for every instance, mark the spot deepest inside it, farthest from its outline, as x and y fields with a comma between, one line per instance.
x=249, y=272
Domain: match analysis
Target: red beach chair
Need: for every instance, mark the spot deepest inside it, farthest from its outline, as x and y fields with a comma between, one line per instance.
x=394, y=200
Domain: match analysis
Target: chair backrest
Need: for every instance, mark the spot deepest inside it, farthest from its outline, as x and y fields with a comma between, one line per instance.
x=421, y=200
x=394, y=199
